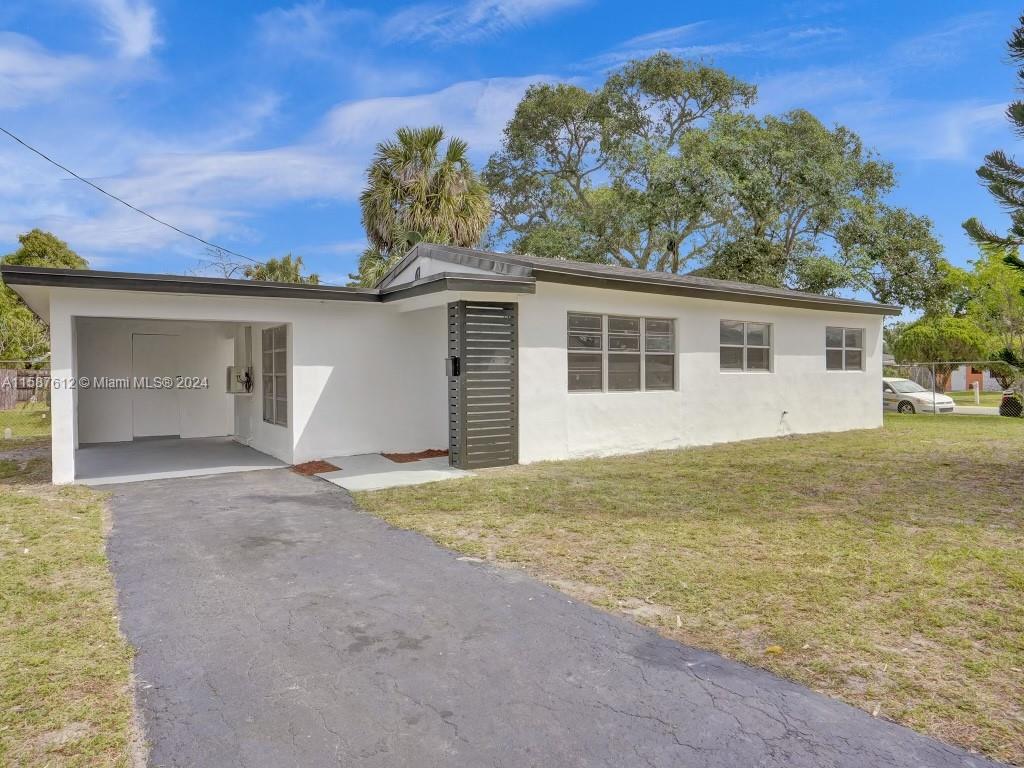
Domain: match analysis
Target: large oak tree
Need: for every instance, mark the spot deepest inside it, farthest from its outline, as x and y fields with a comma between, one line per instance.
x=662, y=168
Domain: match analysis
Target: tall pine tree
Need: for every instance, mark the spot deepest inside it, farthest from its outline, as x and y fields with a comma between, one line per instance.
x=1004, y=179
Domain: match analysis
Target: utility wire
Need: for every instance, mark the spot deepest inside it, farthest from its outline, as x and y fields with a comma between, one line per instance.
x=112, y=196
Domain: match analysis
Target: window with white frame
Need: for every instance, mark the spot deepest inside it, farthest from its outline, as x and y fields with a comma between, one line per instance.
x=618, y=353
x=844, y=349
x=275, y=375
x=745, y=346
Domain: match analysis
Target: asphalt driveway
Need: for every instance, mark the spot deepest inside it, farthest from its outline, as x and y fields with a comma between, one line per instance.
x=277, y=625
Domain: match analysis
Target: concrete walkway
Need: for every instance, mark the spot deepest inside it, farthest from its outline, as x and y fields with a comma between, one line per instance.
x=373, y=472
x=276, y=625
x=976, y=410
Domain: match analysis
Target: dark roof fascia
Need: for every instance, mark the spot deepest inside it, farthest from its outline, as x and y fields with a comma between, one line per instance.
x=458, y=281
x=672, y=288
x=129, y=281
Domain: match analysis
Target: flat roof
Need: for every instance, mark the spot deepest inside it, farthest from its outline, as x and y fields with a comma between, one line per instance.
x=503, y=272
x=133, y=281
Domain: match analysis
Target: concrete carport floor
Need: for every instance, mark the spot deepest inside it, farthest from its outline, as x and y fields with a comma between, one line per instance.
x=277, y=625
x=158, y=458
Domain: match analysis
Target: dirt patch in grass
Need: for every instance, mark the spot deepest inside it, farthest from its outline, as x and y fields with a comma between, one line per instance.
x=65, y=669
x=404, y=458
x=882, y=567
x=314, y=468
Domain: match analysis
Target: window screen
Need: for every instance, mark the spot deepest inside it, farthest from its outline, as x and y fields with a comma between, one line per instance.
x=844, y=349
x=620, y=354
x=745, y=346
x=275, y=375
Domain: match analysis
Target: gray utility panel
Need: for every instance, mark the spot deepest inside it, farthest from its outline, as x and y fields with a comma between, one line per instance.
x=483, y=396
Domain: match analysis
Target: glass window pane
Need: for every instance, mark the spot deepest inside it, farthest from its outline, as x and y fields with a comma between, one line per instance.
x=834, y=359
x=268, y=385
x=268, y=362
x=624, y=325
x=268, y=339
x=584, y=372
x=280, y=386
x=584, y=341
x=280, y=362
x=578, y=322
x=731, y=332
x=758, y=334
x=268, y=409
x=758, y=359
x=624, y=373
x=854, y=359
x=281, y=414
x=624, y=343
x=280, y=337
x=855, y=338
x=732, y=358
x=833, y=337
x=660, y=326
x=659, y=371
x=659, y=343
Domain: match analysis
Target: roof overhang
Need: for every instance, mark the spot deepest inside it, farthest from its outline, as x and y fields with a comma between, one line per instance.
x=33, y=284
x=750, y=296
x=510, y=265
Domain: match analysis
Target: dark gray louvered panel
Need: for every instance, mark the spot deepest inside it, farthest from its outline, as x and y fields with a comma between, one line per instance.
x=483, y=397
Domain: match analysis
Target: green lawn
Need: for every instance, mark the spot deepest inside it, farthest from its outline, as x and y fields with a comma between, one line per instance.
x=989, y=399
x=64, y=667
x=26, y=420
x=883, y=567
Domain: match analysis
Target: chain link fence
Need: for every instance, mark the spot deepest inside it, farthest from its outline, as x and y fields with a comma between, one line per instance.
x=969, y=387
x=24, y=399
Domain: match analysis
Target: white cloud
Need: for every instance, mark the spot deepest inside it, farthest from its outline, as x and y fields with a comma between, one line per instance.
x=130, y=26
x=958, y=132
x=203, y=187
x=475, y=110
x=29, y=73
x=470, y=20
x=304, y=29
x=668, y=36
x=780, y=42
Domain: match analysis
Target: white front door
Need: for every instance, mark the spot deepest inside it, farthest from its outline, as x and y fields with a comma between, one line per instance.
x=155, y=411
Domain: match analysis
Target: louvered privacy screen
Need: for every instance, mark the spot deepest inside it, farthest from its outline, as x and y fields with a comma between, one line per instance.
x=483, y=426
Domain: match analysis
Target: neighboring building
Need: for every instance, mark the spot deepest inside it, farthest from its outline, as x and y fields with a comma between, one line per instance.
x=965, y=377
x=555, y=359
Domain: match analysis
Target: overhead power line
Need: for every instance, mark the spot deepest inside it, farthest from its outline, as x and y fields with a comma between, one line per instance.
x=112, y=196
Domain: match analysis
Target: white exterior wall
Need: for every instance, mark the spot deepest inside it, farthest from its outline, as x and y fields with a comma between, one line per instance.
x=708, y=405
x=104, y=348
x=363, y=377
x=369, y=377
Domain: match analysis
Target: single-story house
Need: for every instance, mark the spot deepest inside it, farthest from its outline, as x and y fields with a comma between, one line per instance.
x=501, y=358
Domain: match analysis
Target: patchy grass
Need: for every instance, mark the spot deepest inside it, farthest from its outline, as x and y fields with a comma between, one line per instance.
x=988, y=399
x=28, y=421
x=64, y=667
x=884, y=567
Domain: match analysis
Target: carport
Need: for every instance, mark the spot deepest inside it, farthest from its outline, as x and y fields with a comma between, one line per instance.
x=152, y=399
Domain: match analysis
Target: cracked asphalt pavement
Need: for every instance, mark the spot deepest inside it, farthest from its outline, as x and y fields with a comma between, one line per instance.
x=277, y=625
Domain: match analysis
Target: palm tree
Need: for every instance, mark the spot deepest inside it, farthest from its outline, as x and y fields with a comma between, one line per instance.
x=414, y=193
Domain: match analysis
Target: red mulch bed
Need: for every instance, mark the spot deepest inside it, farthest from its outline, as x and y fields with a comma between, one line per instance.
x=314, y=468
x=405, y=458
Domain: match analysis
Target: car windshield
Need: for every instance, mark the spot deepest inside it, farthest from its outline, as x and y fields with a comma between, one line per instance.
x=905, y=386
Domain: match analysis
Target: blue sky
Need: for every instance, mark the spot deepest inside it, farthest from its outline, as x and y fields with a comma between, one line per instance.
x=251, y=123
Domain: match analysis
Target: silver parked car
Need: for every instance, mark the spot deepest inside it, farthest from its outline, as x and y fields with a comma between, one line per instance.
x=908, y=396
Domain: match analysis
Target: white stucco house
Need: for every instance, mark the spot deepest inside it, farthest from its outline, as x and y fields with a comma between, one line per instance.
x=500, y=358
